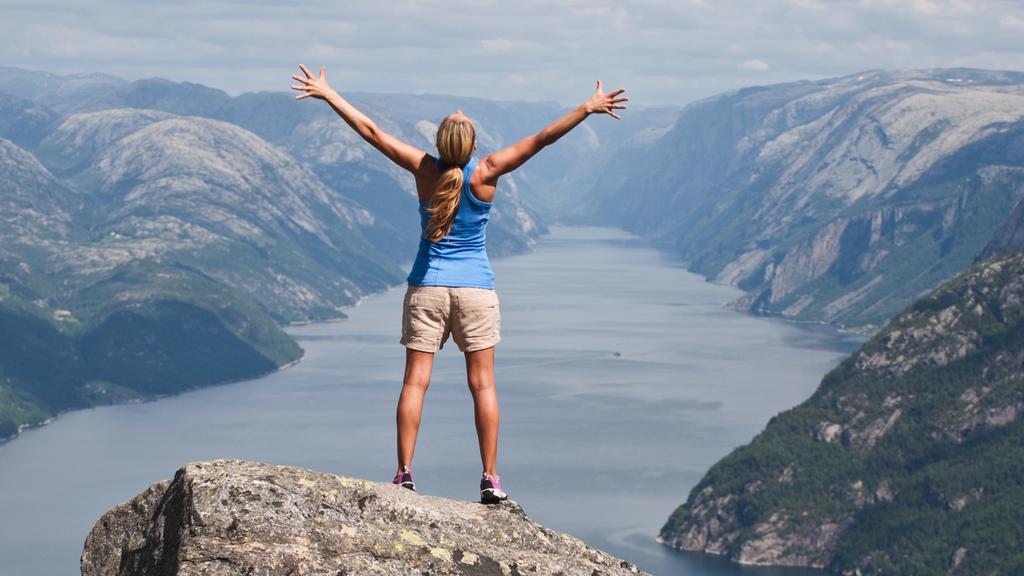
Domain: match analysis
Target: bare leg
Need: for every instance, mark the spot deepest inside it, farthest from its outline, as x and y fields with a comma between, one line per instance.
x=418, y=366
x=480, y=375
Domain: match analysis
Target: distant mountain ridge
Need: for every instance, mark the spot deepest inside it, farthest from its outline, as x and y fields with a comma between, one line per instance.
x=314, y=136
x=837, y=200
x=152, y=227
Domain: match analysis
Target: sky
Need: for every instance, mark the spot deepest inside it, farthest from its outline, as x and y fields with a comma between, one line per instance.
x=661, y=51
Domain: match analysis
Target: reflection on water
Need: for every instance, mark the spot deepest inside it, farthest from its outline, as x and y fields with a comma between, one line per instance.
x=621, y=380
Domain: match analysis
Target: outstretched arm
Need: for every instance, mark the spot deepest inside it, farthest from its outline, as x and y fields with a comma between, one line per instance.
x=508, y=159
x=406, y=156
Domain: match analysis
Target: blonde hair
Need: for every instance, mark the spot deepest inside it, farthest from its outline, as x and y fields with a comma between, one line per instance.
x=455, y=140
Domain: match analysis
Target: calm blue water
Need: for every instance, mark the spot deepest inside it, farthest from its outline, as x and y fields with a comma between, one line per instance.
x=621, y=380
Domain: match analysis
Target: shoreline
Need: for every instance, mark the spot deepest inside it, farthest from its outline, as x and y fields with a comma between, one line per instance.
x=653, y=244
x=664, y=247
x=151, y=398
x=666, y=286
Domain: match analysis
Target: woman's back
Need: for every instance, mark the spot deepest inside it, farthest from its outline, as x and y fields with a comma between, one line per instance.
x=460, y=257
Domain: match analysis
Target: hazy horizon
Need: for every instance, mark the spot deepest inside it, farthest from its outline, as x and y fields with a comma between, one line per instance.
x=663, y=52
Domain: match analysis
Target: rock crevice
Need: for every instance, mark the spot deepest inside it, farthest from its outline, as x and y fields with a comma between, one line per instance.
x=238, y=517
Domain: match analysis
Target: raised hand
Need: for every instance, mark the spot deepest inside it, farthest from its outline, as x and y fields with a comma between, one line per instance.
x=317, y=87
x=601, y=103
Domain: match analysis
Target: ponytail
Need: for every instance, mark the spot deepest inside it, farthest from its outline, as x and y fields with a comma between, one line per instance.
x=444, y=204
x=455, y=140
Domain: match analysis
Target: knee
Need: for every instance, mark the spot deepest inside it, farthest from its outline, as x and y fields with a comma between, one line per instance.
x=480, y=383
x=417, y=383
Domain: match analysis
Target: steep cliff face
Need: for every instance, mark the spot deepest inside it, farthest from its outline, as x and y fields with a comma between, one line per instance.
x=907, y=459
x=237, y=517
x=1009, y=237
x=838, y=200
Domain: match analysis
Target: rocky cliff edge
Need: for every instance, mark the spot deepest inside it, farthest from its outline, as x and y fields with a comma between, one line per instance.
x=236, y=517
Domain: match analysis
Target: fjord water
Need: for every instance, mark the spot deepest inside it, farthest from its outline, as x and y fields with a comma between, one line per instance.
x=621, y=379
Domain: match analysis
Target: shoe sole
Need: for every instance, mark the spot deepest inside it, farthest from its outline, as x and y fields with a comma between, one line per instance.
x=489, y=497
x=408, y=485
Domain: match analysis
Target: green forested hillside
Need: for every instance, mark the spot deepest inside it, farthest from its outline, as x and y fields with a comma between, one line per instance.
x=908, y=459
x=130, y=337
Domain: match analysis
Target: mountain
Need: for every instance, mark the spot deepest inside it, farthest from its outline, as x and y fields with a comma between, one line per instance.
x=91, y=318
x=1009, y=237
x=238, y=517
x=62, y=93
x=216, y=197
x=908, y=459
x=162, y=258
x=156, y=234
x=342, y=160
x=146, y=331
x=24, y=122
x=36, y=205
x=553, y=185
x=837, y=200
x=315, y=137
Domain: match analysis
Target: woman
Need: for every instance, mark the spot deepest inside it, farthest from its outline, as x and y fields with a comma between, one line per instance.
x=451, y=286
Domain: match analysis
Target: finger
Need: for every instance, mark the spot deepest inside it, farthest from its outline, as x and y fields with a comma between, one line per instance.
x=618, y=107
x=306, y=71
x=623, y=99
x=617, y=92
x=300, y=87
x=301, y=96
x=296, y=77
x=614, y=115
x=598, y=86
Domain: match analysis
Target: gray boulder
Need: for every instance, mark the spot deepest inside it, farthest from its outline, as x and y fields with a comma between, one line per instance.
x=236, y=517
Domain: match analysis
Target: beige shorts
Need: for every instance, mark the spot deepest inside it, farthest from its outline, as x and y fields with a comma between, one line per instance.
x=431, y=313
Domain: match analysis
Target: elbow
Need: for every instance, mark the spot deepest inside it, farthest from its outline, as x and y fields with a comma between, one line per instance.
x=371, y=134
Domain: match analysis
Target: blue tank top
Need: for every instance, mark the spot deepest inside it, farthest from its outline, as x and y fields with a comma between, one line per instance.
x=460, y=258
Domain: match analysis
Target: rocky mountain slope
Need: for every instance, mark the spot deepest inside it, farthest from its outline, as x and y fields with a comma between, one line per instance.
x=217, y=197
x=89, y=321
x=313, y=135
x=908, y=459
x=162, y=257
x=1009, y=237
x=238, y=517
x=838, y=200
x=139, y=215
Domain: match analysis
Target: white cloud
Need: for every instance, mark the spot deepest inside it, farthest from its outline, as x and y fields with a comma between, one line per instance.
x=1011, y=21
x=755, y=65
x=662, y=51
x=507, y=45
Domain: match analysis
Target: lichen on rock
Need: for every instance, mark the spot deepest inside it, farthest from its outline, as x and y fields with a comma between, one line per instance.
x=237, y=517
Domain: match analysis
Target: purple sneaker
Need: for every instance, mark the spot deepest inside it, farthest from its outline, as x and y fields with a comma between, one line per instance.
x=404, y=479
x=490, y=490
